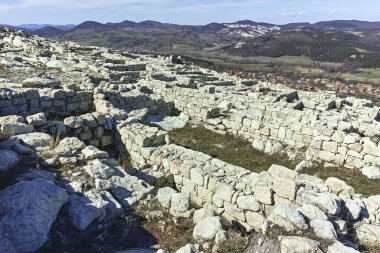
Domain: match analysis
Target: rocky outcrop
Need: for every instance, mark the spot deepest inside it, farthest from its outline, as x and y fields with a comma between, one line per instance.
x=28, y=210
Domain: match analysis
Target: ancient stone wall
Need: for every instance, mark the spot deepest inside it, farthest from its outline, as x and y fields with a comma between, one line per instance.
x=237, y=194
x=130, y=101
x=53, y=102
x=93, y=128
x=343, y=132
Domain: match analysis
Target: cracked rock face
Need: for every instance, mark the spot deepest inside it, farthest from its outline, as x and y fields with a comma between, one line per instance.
x=28, y=210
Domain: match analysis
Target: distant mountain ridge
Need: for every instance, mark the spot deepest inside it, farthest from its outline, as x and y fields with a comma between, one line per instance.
x=326, y=41
x=243, y=28
x=333, y=24
x=39, y=26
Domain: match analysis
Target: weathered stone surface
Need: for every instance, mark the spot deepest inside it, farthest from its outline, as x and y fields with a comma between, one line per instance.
x=9, y=159
x=338, y=187
x=288, y=217
x=83, y=211
x=60, y=64
x=285, y=188
x=170, y=123
x=74, y=122
x=11, y=119
x=164, y=196
x=282, y=172
x=263, y=194
x=10, y=129
x=248, y=203
x=371, y=172
x=38, y=82
x=338, y=247
x=255, y=220
x=180, y=202
x=201, y=214
x=28, y=209
x=295, y=244
x=35, y=140
x=189, y=248
x=324, y=229
x=37, y=120
x=92, y=152
x=369, y=234
x=312, y=212
x=73, y=143
x=327, y=202
x=353, y=208
x=224, y=191
x=207, y=229
x=99, y=169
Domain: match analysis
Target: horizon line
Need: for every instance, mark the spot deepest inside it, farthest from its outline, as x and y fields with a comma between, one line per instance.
x=137, y=22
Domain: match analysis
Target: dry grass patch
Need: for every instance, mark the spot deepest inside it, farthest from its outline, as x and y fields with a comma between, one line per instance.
x=174, y=233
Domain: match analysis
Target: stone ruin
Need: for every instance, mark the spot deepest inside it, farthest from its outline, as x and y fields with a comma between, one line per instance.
x=63, y=106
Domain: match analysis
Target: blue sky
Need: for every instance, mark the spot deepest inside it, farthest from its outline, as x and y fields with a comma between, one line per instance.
x=185, y=11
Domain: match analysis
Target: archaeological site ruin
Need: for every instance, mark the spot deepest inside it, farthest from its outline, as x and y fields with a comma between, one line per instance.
x=87, y=158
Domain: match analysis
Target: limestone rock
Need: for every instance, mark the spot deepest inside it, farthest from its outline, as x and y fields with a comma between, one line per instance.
x=37, y=120
x=83, y=211
x=255, y=220
x=11, y=119
x=98, y=169
x=201, y=214
x=353, y=208
x=74, y=187
x=16, y=128
x=327, y=202
x=35, y=140
x=73, y=143
x=189, y=248
x=92, y=152
x=371, y=172
x=338, y=247
x=28, y=209
x=164, y=196
x=324, y=229
x=339, y=187
x=282, y=172
x=180, y=202
x=207, y=229
x=248, y=203
x=295, y=244
x=369, y=234
x=74, y=122
x=61, y=64
x=170, y=123
x=9, y=159
x=285, y=188
x=288, y=217
x=312, y=212
x=38, y=82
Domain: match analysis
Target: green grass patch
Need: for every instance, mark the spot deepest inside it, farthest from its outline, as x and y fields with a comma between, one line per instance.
x=365, y=75
x=228, y=148
x=239, y=152
x=352, y=177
